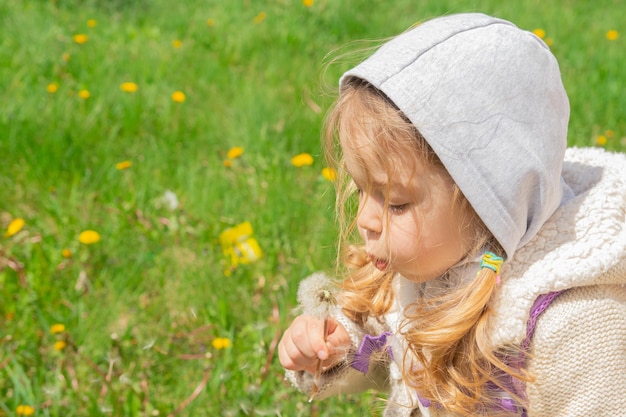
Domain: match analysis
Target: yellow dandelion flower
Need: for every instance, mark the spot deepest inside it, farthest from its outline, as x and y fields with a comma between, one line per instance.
x=57, y=328
x=221, y=343
x=92, y=23
x=60, y=345
x=52, y=88
x=260, y=17
x=549, y=41
x=80, y=38
x=235, y=152
x=176, y=43
x=178, y=96
x=14, y=227
x=601, y=140
x=303, y=159
x=612, y=35
x=308, y=3
x=228, y=163
x=123, y=165
x=84, y=94
x=540, y=33
x=129, y=87
x=329, y=174
x=66, y=253
x=87, y=237
x=65, y=57
x=210, y=22
x=239, y=246
x=25, y=410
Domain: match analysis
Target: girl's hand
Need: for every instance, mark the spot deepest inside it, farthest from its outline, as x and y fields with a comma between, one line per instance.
x=303, y=344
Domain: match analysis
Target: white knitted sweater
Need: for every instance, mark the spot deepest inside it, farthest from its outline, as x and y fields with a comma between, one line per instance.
x=579, y=345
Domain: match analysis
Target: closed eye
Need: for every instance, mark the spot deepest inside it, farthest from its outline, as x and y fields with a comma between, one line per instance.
x=398, y=208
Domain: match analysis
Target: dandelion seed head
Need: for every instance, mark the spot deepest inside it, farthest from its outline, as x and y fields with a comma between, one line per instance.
x=316, y=294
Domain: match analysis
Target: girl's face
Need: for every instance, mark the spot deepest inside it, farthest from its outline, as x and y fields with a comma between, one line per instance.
x=407, y=217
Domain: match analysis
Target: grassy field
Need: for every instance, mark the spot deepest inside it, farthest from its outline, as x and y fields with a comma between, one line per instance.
x=155, y=126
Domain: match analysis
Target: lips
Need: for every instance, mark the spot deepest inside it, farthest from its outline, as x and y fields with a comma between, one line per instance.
x=379, y=263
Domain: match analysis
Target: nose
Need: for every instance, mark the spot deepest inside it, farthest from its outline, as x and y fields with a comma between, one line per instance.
x=369, y=217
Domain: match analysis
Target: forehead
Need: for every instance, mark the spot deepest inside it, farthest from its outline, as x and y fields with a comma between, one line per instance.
x=376, y=161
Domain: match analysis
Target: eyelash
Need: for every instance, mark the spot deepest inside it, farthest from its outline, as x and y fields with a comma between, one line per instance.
x=393, y=208
x=398, y=208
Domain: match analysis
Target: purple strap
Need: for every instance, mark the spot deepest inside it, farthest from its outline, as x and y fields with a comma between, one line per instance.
x=541, y=304
x=370, y=344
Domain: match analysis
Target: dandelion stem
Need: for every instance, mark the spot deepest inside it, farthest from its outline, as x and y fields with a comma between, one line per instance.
x=318, y=369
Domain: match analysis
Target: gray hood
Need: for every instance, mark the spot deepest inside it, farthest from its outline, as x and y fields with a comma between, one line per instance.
x=488, y=98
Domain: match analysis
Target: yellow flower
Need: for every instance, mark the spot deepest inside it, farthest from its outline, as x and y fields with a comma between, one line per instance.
x=210, y=22
x=302, y=159
x=14, y=227
x=239, y=246
x=308, y=3
x=549, y=41
x=260, y=17
x=80, y=38
x=66, y=57
x=228, y=163
x=234, y=153
x=123, y=165
x=24, y=410
x=129, y=87
x=329, y=173
x=601, y=140
x=84, y=94
x=57, y=328
x=88, y=237
x=52, y=88
x=178, y=96
x=92, y=23
x=612, y=35
x=221, y=343
x=66, y=253
x=176, y=43
x=609, y=133
x=540, y=33
x=60, y=345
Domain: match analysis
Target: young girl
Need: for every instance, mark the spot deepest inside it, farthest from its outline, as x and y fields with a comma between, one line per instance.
x=492, y=270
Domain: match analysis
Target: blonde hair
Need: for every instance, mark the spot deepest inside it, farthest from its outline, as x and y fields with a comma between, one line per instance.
x=447, y=334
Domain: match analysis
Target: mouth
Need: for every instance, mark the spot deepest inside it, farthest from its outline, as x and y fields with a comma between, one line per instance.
x=379, y=263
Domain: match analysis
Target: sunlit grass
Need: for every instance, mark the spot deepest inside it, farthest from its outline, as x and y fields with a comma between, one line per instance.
x=133, y=134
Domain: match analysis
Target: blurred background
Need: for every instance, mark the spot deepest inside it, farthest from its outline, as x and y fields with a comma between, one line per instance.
x=162, y=189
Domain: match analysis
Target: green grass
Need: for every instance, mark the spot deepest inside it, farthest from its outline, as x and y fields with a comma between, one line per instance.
x=142, y=306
